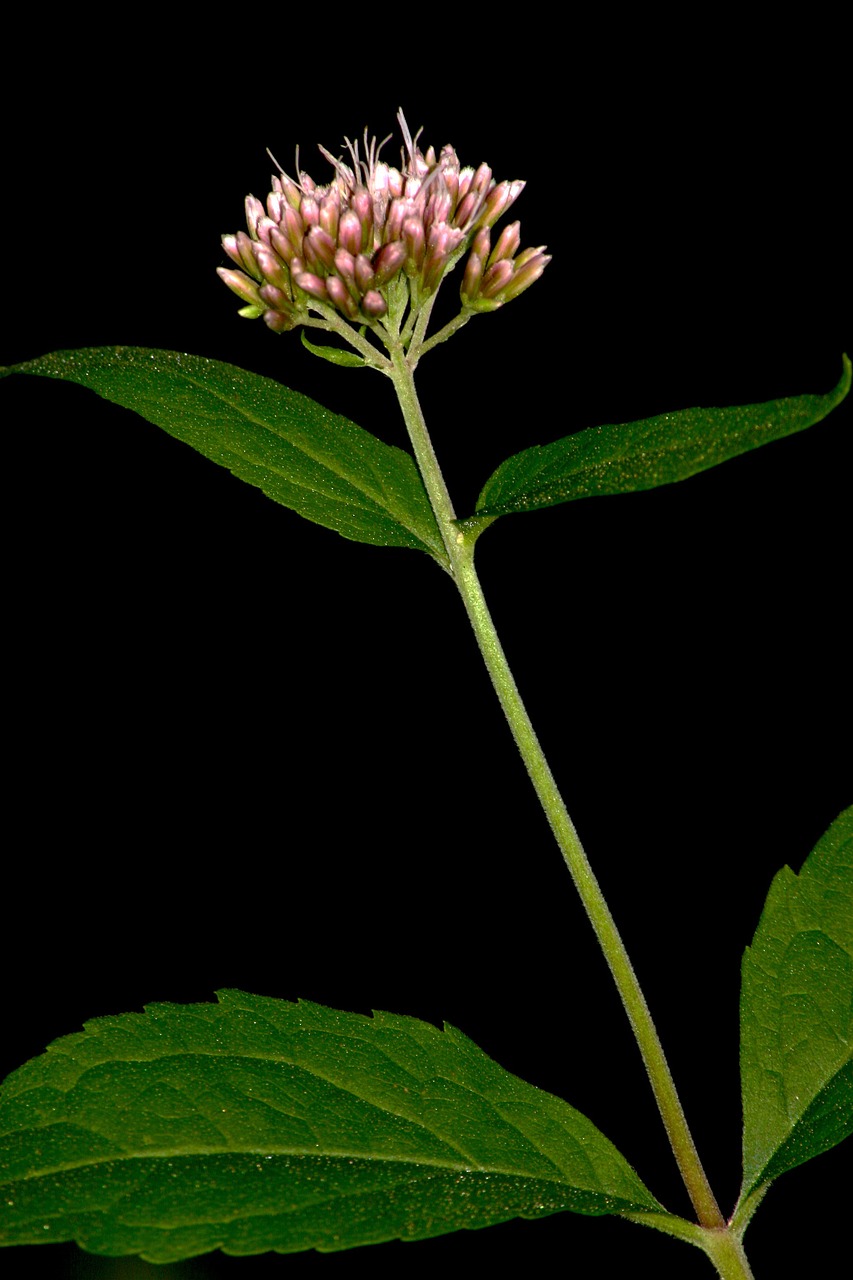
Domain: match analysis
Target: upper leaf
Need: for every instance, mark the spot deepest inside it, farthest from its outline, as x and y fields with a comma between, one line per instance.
x=643, y=455
x=301, y=455
x=797, y=1014
x=258, y=1124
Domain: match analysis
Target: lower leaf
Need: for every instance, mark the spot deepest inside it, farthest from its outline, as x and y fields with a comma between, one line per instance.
x=257, y=1124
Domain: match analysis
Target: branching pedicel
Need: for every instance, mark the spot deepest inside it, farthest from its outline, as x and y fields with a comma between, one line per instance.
x=363, y=258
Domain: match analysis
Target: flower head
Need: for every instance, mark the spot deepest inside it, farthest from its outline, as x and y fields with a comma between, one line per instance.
x=376, y=241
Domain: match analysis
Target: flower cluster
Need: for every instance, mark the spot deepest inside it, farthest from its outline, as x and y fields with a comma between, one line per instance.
x=346, y=245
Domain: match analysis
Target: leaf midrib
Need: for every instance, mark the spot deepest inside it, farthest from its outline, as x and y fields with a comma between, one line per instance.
x=381, y=1107
x=297, y=1153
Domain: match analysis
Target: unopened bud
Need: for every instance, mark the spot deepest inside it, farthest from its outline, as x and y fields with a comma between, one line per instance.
x=330, y=212
x=482, y=179
x=245, y=248
x=415, y=242
x=362, y=206
x=309, y=210
x=349, y=232
x=388, y=262
x=471, y=279
x=254, y=211
x=279, y=321
x=341, y=297
x=271, y=269
x=282, y=245
x=278, y=299
x=293, y=227
x=311, y=284
x=508, y=242
x=345, y=264
x=229, y=244
x=499, y=199
x=319, y=249
x=373, y=304
x=240, y=284
x=365, y=276
x=526, y=275
x=495, y=278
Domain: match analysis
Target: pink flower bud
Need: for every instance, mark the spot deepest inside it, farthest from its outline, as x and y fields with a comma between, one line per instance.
x=482, y=180
x=330, y=212
x=264, y=227
x=345, y=265
x=289, y=190
x=279, y=321
x=254, y=211
x=293, y=227
x=319, y=249
x=272, y=270
x=282, y=246
x=415, y=242
x=466, y=177
x=467, y=209
x=229, y=244
x=482, y=243
x=373, y=304
x=471, y=279
x=341, y=297
x=349, y=232
x=311, y=284
x=275, y=206
x=240, y=284
x=309, y=210
x=494, y=279
x=508, y=242
x=438, y=208
x=526, y=255
x=362, y=206
x=499, y=199
x=398, y=211
x=365, y=277
x=526, y=275
x=388, y=262
x=278, y=299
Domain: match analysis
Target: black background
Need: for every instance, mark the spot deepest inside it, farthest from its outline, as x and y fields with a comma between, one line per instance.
x=249, y=753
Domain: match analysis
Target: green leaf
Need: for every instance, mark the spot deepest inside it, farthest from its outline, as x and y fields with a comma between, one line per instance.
x=301, y=455
x=335, y=355
x=796, y=1024
x=257, y=1124
x=643, y=455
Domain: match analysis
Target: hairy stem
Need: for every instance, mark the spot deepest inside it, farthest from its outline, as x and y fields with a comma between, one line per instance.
x=460, y=551
x=726, y=1252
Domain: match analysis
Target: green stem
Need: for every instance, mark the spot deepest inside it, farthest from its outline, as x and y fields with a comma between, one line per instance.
x=726, y=1252
x=721, y=1244
x=460, y=551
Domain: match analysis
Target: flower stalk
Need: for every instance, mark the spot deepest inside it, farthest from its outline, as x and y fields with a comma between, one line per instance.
x=460, y=551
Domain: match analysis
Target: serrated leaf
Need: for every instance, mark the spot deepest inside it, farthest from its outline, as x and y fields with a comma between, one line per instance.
x=315, y=462
x=797, y=1014
x=643, y=455
x=257, y=1124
